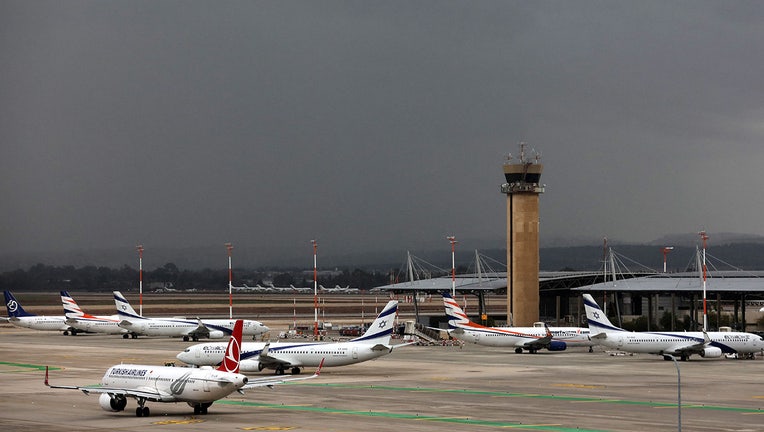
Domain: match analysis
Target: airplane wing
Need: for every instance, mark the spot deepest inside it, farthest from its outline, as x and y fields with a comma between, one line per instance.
x=541, y=342
x=691, y=347
x=274, y=380
x=144, y=393
x=270, y=361
x=200, y=332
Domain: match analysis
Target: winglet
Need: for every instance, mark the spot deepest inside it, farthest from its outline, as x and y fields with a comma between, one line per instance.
x=233, y=350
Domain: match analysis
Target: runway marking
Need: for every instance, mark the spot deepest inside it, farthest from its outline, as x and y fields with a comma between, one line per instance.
x=174, y=422
x=584, y=386
x=573, y=399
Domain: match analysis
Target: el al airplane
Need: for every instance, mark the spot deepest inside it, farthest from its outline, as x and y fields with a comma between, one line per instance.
x=531, y=339
x=179, y=327
x=279, y=356
x=198, y=387
x=78, y=319
x=667, y=344
x=21, y=318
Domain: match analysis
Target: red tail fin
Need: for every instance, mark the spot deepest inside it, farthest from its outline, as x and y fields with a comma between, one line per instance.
x=233, y=350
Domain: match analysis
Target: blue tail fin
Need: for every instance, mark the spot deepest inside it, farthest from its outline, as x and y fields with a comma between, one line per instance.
x=14, y=307
x=382, y=328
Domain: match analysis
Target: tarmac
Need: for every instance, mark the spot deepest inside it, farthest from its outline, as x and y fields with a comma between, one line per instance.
x=416, y=388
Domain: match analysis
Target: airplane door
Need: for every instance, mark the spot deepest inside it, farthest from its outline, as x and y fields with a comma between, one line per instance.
x=355, y=352
x=477, y=337
x=620, y=342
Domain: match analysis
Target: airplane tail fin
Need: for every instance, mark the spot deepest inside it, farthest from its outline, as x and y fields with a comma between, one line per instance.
x=456, y=316
x=596, y=317
x=233, y=350
x=14, y=307
x=382, y=328
x=124, y=309
x=71, y=309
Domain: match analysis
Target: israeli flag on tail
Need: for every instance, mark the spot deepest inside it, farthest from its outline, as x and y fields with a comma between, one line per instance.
x=382, y=328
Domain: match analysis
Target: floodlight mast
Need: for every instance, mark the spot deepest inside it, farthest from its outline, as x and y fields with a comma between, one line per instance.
x=229, y=248
x=315, y=290
x=139, y=248
x=705, y=311
x=665, y=251
x=453, y=241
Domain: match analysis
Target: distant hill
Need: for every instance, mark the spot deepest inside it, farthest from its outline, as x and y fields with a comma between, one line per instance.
x=725, y=251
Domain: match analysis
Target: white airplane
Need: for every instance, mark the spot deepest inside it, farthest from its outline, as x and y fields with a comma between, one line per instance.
x=179, y=327
x=198, y=387
x=531, y=339
x=667, y=344
x=21, y=318
x=80, y=320
x=280, y=356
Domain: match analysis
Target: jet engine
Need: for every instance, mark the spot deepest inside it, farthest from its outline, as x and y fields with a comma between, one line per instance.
x=557, y=346
x=112, y=404
x=217, y=334
x=711, y=352
x=250, y=366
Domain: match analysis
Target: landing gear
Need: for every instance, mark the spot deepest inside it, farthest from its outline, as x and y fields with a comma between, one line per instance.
x=126, y=336
x=518, y=350
x=185, y=338
x=142, y=411
x=591, y=349
x=279, y=370
x=201, y=409
x=295, y=371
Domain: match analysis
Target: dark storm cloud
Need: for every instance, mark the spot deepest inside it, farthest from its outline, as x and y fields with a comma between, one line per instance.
x=373, y=125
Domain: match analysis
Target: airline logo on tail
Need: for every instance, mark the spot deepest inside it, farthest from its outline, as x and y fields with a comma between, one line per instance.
x=71, y=308
x=233, y=350
x=14, y=308
x=456, y=316
x=382, y=327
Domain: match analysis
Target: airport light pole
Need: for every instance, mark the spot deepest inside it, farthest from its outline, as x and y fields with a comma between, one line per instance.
x=666, y=250
x=678, y=394
x=453, y=241
x=315, y=290
x=229, y=248
x=139, y=248
x=705, y=311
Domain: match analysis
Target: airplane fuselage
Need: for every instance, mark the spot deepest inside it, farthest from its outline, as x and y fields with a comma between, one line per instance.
x=308, y=354
x=175, y=384
x=519, y=336
x=667, y=342
x=176, y=327
x=41, y=322
x=98, y=324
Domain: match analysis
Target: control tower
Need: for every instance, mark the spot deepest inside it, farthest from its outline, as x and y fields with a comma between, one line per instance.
x=522, y=188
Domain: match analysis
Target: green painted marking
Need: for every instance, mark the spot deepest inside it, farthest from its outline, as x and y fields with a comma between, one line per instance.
x=539, y=396
x=27, y=366
x=401, y=416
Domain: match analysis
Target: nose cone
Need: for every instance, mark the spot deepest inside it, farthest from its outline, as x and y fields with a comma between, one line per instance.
x=184, y=356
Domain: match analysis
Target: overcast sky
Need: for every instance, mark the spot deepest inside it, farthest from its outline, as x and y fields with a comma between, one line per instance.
x=374, y=125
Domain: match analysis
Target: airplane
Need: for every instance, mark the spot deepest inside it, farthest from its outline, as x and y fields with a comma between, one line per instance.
x=179, y=327
x=531, y=339
x=21, y=318
x=668, y=344
x=280, y=356
x=198, y=387
x=78, y=319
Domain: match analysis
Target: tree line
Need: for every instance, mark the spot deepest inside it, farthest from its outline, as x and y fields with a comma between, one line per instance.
x=46, y=278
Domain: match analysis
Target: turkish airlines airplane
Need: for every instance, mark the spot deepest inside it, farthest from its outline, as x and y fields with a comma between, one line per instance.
x=179, y=327
x=80, y=320
x=198, y=387
x=531, y=339
x=668, y=344
x=256, y=356
x=21, y=318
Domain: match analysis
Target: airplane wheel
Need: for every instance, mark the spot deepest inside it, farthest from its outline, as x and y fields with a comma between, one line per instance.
x=197, y=410
x=295, y=371
x=66, y=333
x=139, y=412
x=125, y=336
x=135, y=336
x=279, y=371
x=146, y=411
x=518, y=350
x=185, y=338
